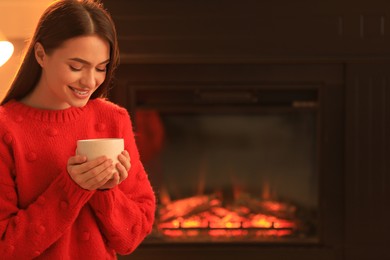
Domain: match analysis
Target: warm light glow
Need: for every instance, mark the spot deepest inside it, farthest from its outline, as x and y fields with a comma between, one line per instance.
x=207, y=217
x=6, y=50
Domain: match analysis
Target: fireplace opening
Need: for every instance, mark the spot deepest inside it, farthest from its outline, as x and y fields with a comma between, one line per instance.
x=231, y=163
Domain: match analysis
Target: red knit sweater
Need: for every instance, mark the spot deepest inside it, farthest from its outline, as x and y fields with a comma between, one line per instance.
x=43, y=213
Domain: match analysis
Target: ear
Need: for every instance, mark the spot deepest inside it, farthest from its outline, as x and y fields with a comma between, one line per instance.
x=39, y=52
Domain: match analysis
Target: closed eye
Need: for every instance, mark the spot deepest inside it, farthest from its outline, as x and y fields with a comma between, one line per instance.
x=74, y=68
x=101, y=70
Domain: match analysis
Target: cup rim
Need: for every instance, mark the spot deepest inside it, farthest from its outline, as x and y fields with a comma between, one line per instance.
x=100, y=139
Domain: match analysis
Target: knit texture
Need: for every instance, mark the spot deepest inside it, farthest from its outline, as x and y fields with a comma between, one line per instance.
x=44, y=214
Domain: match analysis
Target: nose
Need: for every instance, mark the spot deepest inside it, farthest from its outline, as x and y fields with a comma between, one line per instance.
x=88, y=79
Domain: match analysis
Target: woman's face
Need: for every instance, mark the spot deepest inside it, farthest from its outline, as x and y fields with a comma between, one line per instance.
x=71, y=73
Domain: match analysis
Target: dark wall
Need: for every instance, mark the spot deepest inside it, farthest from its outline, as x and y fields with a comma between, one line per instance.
x=251, y=30
x=367, y=178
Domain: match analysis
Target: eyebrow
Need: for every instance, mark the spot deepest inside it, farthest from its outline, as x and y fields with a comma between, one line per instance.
x=87, y=62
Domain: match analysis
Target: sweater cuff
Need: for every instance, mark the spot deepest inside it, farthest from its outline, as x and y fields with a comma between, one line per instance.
x=72, y=193
x=103, y=200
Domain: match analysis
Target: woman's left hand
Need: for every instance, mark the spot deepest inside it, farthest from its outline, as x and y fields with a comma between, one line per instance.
x=122, y=173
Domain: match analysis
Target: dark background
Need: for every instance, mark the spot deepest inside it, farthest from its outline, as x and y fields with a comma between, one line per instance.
x=343, y=44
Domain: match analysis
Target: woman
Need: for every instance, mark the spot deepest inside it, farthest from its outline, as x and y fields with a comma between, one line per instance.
x=55, y=204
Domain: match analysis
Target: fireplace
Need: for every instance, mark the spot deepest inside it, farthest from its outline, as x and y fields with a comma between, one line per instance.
x=231, y=163
x=240, y=165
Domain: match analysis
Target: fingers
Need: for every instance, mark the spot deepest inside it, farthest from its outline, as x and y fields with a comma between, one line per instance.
x=122, y=172
x=99, y=181
x=92, y=174
x=78, y=159
x=124, y=159
x=102, y=161
x=124, y=166
x=111, y=183
x=99, y=173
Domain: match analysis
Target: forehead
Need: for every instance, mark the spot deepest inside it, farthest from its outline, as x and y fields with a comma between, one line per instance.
x=92, y=48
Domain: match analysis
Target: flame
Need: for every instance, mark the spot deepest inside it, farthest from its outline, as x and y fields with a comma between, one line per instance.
x=220, y=221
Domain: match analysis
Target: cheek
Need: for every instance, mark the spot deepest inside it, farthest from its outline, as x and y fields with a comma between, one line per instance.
x=57, y=79
x=64, y=76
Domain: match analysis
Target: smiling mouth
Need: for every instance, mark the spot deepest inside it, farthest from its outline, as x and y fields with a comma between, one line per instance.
x=79, y=92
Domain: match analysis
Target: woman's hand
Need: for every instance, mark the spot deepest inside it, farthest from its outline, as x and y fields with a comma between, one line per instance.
x=122, y=171
x=90, y=175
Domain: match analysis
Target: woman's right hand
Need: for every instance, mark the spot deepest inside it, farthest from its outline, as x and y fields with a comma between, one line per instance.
x=90, y=175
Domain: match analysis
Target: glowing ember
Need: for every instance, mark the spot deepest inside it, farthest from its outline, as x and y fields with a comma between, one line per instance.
x=206, y=216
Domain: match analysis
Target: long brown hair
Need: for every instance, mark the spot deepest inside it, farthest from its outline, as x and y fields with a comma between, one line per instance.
x=63, y=20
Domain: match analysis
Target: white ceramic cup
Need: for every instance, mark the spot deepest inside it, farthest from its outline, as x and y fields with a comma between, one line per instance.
x=94, y=148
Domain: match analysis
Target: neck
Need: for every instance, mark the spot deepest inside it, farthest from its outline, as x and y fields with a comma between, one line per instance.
x=41, y=100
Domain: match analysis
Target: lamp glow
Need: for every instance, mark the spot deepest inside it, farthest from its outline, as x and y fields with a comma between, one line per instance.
x=6, y=50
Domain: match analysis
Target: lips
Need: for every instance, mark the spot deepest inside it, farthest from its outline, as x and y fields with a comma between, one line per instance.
x=80, y=93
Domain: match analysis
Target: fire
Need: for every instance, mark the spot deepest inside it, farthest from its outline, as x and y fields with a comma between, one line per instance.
x=207, y=216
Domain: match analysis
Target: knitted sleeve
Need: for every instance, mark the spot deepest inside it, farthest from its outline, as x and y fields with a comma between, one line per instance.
x=126, y=212
x=27, y=232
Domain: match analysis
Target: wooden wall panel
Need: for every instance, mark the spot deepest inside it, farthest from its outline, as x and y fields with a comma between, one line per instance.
x=367, y=180
x=250, y=31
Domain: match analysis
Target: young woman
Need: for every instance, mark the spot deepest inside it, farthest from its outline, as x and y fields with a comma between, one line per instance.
x=55, y=204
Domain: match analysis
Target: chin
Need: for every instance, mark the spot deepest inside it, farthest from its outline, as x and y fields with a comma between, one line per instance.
x=79, y=103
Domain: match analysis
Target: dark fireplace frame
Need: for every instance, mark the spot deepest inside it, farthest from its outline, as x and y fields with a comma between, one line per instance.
x=330, y=116
x=225, y=99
